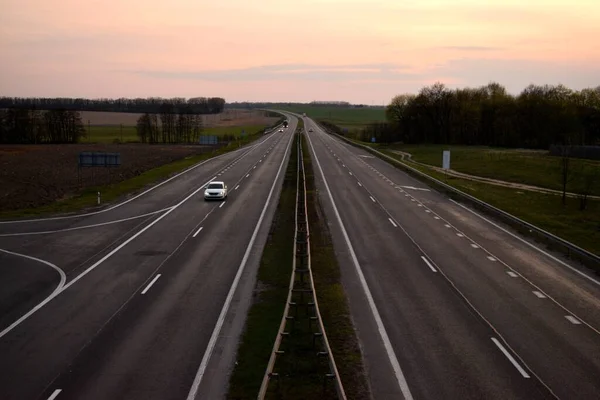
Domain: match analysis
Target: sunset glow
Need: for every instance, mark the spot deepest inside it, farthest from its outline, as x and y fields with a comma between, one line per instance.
x=359, y=51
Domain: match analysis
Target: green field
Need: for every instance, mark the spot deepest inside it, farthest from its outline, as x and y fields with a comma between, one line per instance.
x=128, y=134
x=527, y=167
x=344, y=117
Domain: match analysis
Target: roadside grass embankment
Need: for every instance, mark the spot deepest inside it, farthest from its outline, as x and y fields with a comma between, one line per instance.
x=301, y=372
x=529, y=167
x=86, y=199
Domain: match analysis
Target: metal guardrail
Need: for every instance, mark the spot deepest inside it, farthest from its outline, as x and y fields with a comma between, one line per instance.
x=302, y=293
x=571, y=250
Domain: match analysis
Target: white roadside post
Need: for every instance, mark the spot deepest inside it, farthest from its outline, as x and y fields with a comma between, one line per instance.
x=446, y=162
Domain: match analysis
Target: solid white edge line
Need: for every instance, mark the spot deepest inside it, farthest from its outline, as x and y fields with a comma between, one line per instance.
x=511, y=358
x=249, y=148
x=198, y=231
x=573, y=320
x=55, y=394
x=97, y=263
x=216, y=332
x=428, y=264
x=151, y=283
x=222, y=204
x=402, y=383
x=530, y=244
x=57, y=290
x=393, y=223
x=85, y=226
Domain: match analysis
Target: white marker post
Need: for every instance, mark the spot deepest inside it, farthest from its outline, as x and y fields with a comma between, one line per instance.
x=98, y=198
x=446, y=162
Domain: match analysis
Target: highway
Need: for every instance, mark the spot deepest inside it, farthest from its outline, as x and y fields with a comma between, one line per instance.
x=447, y=303
x=145, y=299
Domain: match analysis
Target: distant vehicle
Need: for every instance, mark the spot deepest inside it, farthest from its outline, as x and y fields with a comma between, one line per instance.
x=285, y=124
x=310, y=129
x=281, y=130
x=216, y=190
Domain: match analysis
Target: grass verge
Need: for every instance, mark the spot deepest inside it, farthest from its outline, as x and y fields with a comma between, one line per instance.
x=331, y=295
x=269, y=295
x=527, y=167
x=87, y=198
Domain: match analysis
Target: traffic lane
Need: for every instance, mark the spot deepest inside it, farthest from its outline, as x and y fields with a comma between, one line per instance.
x=56, y=333
x=488, y=283
x=439, y=342
x=162, y=196
x=26, y=282
x=550, y=273
x=153, y=348
x=73, y=250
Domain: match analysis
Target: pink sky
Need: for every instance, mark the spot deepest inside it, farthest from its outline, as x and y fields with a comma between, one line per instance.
x=360, y=51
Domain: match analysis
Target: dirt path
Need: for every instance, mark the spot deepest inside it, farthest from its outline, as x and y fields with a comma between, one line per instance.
x=408, y=157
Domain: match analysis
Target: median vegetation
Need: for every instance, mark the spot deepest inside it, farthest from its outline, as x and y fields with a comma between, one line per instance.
x=301, y=373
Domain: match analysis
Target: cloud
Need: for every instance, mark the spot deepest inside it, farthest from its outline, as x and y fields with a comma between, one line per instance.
x=306, y=72
x=471, y=48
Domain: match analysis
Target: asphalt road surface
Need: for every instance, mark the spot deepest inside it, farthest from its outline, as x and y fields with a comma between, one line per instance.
x=145, y=300
x=449, y=305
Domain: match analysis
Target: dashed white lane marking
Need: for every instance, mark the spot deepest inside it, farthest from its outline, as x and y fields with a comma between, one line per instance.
x=359, y=184
x=392, y=222
x=573, y=320
x=247, y=175
x=55, y=394
x=254, y=167
x=151, y=283
x=372, y=199
x=237, y=187
x=460, y=235
x=511, y=358
x=436, y=217
x=198, y=231
x=431, y=267
x=350, y=172
x=473, y=245
x=512, y=274
x=412, y=199
x=427, y=211
x=222, y=204
x=491, y=258
x=539, y=294
x=419, y=205
x=260, y=160
x=447, y=226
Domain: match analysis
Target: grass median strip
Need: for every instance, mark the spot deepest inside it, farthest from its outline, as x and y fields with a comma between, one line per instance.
x=270, y=293
x=301, y=372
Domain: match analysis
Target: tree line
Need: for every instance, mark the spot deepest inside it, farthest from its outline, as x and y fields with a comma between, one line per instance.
x=196, y=105
x=176, y=125
x=537, y=118
x=23, y=126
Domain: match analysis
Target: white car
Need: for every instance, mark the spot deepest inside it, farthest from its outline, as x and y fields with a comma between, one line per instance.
x=216, y=190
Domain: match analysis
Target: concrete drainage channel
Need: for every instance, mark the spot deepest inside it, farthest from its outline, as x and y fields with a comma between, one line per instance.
x=301, y=348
